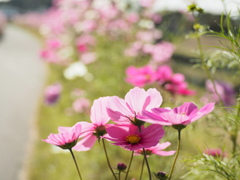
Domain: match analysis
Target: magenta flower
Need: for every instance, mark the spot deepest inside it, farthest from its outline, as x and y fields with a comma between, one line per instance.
x=52, y=94
x=182, y=115
x=95, y=130
x=215, y=152
x=162, y=52
x=158, y=150
x=81, y=105
x=225, y=91
x=129, y=137
x=174, y=83
x=67, y=137
x=140, y=76
x=136, y=100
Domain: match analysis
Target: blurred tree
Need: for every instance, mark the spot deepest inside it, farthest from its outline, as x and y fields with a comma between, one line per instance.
x=26, y=5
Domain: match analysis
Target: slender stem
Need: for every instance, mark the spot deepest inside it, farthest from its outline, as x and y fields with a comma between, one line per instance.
x=206, y=69
x=129, y=165
x=143, y=162
x=119, y=175
x=108, y=162
x=178, y=149
x=235, y=132
x=148, y=167
x=74, y=159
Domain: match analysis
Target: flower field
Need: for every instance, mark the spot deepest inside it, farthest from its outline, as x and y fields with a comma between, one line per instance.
x=128, y=97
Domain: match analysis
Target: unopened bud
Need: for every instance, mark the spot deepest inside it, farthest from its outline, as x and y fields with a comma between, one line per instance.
x=121, y=167
x=161, y=175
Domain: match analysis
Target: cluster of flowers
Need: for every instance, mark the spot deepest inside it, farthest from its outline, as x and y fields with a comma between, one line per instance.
x=163, y=76
x=129, y=130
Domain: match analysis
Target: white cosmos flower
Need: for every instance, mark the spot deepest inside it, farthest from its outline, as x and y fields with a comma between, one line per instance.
x=74, y=70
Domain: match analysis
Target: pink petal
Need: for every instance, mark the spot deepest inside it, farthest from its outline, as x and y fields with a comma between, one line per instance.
x=165, y=153
x=118, y=110
x=203, y=111
x=187, y=108
x=118, y=132
x=138, y=99
x=153, y=131
x=85, y=143
x=99, y=114
x=156, y=99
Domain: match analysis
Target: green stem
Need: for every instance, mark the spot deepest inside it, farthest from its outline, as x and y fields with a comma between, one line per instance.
x=108, y=162
x=143, y=162
x=74, y=159
x=235, y=132
x=178, y=149
x=148, y=167
x=119, y=175
x=206, y=69
x=129, y=165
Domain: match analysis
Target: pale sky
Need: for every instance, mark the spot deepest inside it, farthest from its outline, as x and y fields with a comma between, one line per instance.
x=213, y=6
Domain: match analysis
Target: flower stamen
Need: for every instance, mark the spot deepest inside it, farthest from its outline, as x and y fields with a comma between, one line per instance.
x=133, y=139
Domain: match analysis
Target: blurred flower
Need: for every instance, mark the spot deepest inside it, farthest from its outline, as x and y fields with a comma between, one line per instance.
x=156, y=150
x=162, y=52
x=129, y=137
x=67, y=137
x=140, y=76
x=77, y=69
x=81, y=105
x=215, y=152
x=88, y=58
x=174, y=83
x=225, y=91
x=83, y=43
x=182, y=115
x=52, y=94
x=132, y=17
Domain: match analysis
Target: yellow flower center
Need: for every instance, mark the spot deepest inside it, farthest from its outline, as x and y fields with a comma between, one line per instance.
x=132, y=138
x=147, y=76
x=183, y=113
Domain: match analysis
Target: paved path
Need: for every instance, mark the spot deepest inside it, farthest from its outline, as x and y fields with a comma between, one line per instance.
x=22, y=76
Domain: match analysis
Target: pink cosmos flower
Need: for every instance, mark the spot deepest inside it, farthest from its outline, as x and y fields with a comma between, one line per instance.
x=83, y=42
x=162, y=52
x=81, y=105
x=52, y=94
x=95, y=130
x=140, y=76
x=134, y=49
x=88, y=57
x=174, y=83
x=182, y=115
x=132, y=17
x=156, y=150
x=136, y=100
x=215, y=152
x=225, y=91
x=129, y=137
x=67, y=137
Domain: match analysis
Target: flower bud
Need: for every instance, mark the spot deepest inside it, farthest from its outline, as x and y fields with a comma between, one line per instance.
x=161, y=175
x=121, y=167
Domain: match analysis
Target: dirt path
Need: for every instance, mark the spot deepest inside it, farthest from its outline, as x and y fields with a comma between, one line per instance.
x=22, y=76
